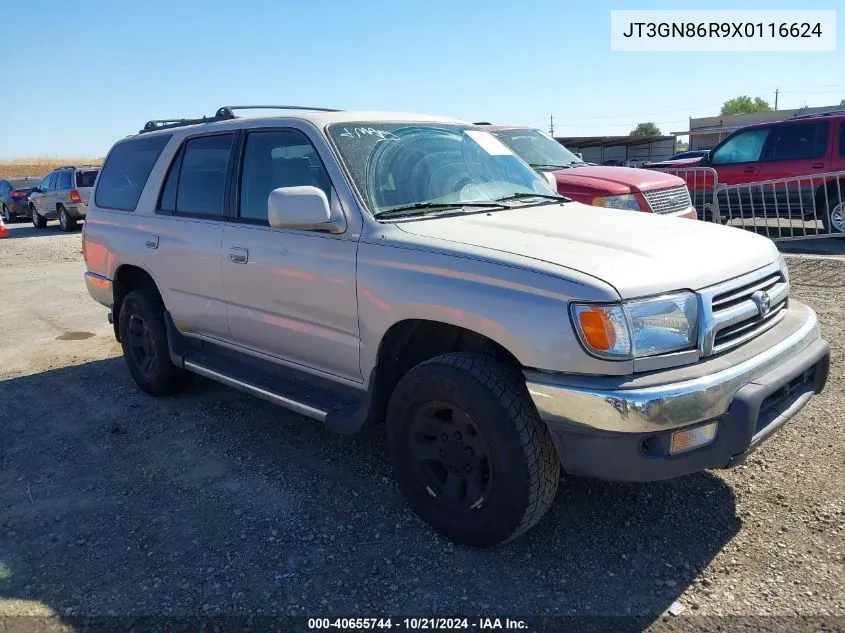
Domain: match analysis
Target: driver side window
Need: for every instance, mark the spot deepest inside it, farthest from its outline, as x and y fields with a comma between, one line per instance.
x=745, y=147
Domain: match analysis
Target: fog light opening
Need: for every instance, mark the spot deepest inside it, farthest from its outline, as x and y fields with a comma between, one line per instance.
x=696, y=437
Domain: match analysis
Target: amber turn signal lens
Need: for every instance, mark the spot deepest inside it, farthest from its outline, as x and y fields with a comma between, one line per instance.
x=597, y=329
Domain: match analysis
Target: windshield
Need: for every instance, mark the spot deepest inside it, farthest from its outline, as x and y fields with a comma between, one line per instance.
x=537, y=148
x=403, y=164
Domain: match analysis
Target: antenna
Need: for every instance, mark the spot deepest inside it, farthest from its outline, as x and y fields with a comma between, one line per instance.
x=551, y=125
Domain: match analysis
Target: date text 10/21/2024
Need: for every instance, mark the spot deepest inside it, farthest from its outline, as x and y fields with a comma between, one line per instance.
x=417, y=624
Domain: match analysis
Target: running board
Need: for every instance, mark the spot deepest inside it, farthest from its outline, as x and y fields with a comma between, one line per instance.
x=308, y=395
x=283, y=401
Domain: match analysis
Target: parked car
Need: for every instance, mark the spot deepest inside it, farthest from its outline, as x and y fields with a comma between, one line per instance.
x=363, y=268
x=618, y=188
x=613, y=162
x=693, y=153
x=801, y=146
x=14, y=197
x=63, y=195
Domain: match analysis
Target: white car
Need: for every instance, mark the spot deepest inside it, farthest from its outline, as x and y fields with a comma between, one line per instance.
x=368, y=268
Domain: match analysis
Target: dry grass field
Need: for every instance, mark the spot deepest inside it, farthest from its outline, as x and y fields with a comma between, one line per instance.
x=39, y=166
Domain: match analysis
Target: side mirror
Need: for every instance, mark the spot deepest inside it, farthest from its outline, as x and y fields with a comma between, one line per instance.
x=298, y=208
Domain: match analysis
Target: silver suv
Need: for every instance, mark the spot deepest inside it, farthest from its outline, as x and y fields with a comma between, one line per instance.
x=63, y=194
x=366, y=268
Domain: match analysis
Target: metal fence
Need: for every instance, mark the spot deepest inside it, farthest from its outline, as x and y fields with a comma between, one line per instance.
x=796, y=208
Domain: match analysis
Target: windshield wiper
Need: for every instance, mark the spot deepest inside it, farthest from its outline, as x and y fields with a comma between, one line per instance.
x=548, y=166
x=526, y=196
x=419, y=208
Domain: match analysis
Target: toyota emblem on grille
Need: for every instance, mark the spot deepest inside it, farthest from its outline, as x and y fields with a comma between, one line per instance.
x=763, y=302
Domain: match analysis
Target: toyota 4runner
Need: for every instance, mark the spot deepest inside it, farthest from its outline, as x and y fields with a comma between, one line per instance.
x=361, y=268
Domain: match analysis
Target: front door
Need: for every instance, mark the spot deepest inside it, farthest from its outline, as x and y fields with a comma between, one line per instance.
x=737, y=162
x=289, y=293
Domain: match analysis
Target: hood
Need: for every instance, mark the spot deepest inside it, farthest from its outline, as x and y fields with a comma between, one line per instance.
x=612, y=180
x=637, y=253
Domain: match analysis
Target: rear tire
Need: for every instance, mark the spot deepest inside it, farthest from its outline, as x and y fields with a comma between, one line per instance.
x=67, y=223
x=834, y=219
x=143, y=336
x=38, y=221
x=469, y=451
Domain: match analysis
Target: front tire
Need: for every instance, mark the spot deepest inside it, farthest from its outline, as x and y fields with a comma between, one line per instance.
x=8, y=216
x=470, y=453
x=143, y=336
x=38, y=221
x=67, y=223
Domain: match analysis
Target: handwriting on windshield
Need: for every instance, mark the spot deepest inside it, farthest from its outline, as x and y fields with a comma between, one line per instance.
x=359, y=132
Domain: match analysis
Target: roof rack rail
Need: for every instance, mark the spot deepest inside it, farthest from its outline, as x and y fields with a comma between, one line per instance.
x=164, y=124
x=224, y=113
x=229, y=110
x=482, y=123
x=809, y=116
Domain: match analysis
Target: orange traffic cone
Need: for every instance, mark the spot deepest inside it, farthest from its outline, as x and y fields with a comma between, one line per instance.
x=4, y=232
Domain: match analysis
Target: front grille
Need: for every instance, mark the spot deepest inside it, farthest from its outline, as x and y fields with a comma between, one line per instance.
x=737, y=313
x=668, y=200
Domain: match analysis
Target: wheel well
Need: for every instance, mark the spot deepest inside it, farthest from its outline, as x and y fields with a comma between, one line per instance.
x=834, y=189
x=126, y=279
x=408, y=343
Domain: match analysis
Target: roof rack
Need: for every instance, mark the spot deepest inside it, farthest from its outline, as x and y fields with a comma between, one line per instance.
x=482, y=123
x=810, y=116
x=224, y=113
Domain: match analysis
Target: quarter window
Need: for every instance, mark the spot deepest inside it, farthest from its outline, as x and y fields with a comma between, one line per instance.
x=799, y=141
x=126, y=170
x=744, y=147
x=196, y=184
x=277, y=159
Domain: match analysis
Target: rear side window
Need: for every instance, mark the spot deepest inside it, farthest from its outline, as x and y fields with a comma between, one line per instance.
x=799, y=141
x=86, y=178
x=842, y=138
x=64, y=180
x=126, y=170
x=196, y=183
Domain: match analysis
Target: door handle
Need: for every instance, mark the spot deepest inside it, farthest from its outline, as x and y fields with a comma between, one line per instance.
x=817, y=165
x=152, y=242
x=748, y=170
x=238, y=255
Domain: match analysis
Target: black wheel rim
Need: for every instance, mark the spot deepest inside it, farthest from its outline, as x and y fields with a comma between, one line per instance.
x=451, y=456
x=140, y=341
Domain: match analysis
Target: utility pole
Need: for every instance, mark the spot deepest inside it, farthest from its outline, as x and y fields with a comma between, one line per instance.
x=552, y=125
x=776, y=98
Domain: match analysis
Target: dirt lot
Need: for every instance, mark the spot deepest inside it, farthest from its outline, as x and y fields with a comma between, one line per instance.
x=40, y=166
x=114, y=503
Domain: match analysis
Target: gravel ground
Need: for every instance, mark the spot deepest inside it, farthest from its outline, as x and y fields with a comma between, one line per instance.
x=214, y=503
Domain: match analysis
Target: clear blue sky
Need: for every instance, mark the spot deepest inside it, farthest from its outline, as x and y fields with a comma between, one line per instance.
x=96, y=70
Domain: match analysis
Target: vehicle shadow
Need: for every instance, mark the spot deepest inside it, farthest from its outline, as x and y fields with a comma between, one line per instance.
x=24, y=229
x=214, y=503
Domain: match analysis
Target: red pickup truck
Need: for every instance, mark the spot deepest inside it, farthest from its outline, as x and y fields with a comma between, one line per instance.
x=614, y=187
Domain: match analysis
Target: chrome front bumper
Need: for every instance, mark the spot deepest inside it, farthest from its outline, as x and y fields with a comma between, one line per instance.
x=663, y=406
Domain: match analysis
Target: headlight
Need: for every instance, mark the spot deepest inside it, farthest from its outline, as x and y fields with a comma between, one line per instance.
x=642, y=327
x=626, y=201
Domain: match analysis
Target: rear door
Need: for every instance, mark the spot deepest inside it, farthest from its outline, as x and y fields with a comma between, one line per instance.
x=184, y=235
x=63, y=187
x=47, y=193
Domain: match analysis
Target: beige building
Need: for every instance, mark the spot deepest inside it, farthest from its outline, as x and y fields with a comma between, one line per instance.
x=705, y=133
